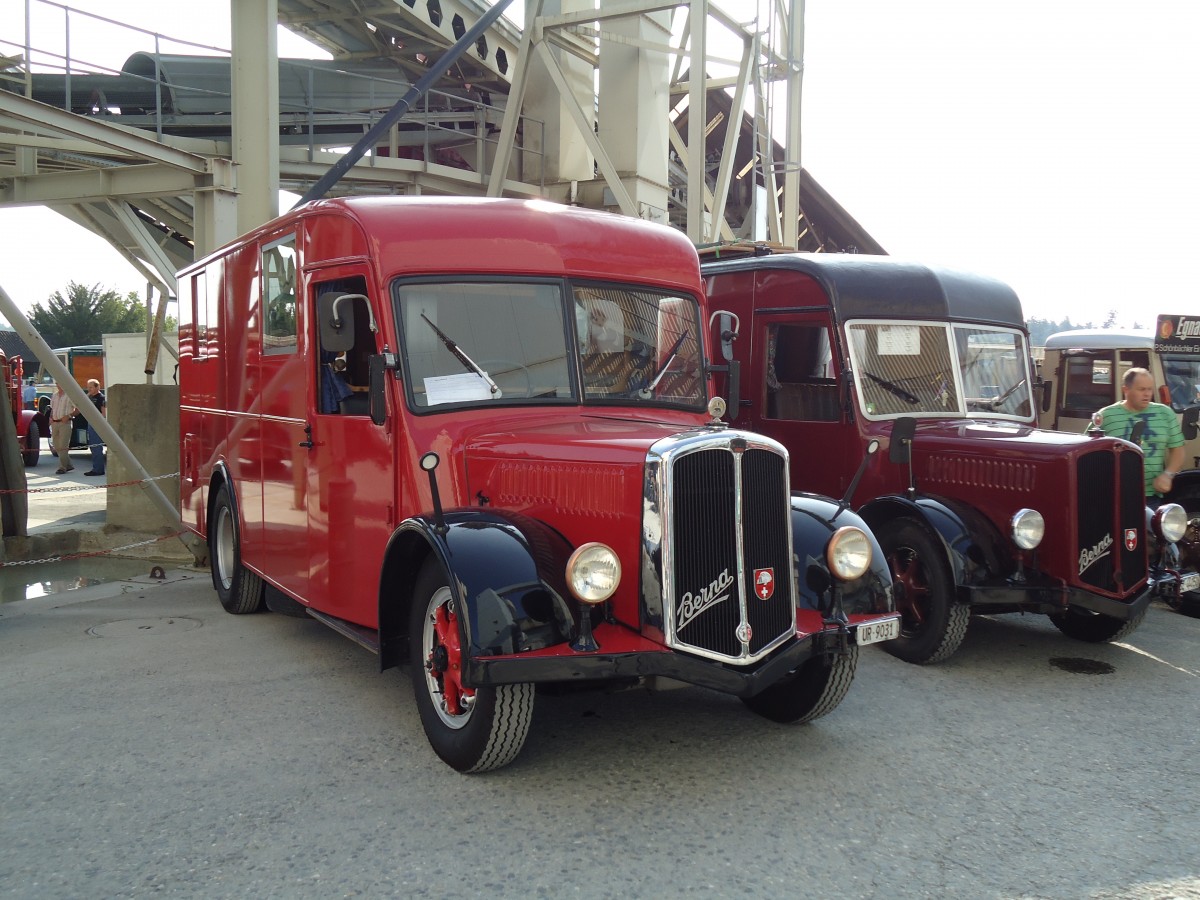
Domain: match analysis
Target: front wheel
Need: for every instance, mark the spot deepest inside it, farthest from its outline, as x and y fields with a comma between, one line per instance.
x=1085, y=625
x=932, y=621
x=239, y=589
x=470, y=729
x=813, y=690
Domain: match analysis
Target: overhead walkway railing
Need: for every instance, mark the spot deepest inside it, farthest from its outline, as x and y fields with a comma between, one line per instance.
x=324, y=105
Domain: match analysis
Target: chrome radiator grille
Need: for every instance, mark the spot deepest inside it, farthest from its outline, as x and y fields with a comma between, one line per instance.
x=1111, y=523
x=727, y=556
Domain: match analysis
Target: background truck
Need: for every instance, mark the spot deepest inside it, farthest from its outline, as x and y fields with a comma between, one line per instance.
x=977, y=510
x=1082, y=371
x=25, y=422
x=476, y=436
x=83, y=361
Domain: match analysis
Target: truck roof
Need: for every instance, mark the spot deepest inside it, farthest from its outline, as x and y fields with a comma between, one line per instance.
x=495, y=235
x=863, y=286
x=1101, y=339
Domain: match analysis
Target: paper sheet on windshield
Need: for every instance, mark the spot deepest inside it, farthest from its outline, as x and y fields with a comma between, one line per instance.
x=899, y=340
x=456, y=389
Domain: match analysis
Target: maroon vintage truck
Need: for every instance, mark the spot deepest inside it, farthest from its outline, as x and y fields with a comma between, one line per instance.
x=977, y=510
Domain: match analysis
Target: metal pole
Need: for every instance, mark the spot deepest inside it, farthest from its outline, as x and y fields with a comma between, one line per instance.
x=16, y=318
x=397, y=112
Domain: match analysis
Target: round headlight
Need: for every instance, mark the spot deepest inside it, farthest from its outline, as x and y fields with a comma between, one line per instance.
x=1170, y=522
x=848, y=553
x=593, y=572
x=1027, y=528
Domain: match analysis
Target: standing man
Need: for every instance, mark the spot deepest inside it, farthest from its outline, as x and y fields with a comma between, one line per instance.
x=62, y=411
x=1162, y=442
x=29, y=394
x=95, y=444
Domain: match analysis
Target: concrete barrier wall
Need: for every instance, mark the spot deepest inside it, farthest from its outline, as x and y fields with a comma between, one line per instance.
x=147, y=418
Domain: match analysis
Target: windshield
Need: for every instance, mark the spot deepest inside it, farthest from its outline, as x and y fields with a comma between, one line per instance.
x=1182, y=376
x=512, y=342
x=936, y=369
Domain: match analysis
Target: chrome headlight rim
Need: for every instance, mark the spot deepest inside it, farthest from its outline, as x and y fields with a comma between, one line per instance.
x=1027, y=528
x=586, y=576
x=1170, y=522
x=848, y=553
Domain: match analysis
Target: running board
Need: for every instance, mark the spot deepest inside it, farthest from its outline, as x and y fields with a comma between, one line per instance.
x=364, y=637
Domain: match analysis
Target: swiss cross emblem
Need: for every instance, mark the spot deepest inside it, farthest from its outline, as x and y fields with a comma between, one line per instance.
x=1130, y=538
x=764, y=583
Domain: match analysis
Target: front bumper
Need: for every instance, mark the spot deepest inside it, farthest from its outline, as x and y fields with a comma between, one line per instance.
x=570, y=666
x=1050, y=596
x=1170, y=585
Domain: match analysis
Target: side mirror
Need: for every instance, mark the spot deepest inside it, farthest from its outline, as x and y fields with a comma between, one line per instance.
x=728, y=325
x=900, y=449
x=377, y=365
x=1047, y=394
x=335, y=313
x=1191, y=423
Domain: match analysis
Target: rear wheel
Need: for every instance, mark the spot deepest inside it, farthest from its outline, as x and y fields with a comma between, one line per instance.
x=240, y=590
x=813, y=690
x=1085, y=625
x=932, y=621
x=470, y=729
x=33, y=445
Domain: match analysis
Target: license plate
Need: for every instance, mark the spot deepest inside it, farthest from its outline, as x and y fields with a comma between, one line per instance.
x=874, y=632
x=1189, y=582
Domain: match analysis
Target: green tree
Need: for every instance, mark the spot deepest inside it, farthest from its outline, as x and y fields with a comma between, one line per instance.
x=81, y=314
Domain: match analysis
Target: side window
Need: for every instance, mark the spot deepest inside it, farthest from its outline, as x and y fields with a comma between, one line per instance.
x=279, y=296
x=799, y=381
x=344, y=357
x=1088, y=384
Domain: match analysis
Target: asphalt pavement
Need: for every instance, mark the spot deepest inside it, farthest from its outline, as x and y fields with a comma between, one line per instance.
x=154, y=745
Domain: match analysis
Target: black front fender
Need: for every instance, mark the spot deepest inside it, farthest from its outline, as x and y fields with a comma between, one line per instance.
x=506, y=573
x=814, y=521
x=975, y=550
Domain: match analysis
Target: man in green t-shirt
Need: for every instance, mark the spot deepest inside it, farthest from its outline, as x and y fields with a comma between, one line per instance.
x=1162, y=441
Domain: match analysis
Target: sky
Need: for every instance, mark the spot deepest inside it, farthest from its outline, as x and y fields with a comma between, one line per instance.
x=1048, y=143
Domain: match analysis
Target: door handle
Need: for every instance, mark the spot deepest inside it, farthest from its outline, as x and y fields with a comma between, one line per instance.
x=308, y=441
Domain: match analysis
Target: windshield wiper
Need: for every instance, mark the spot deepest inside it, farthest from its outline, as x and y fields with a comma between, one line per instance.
x=463, y=358
x=892, y=388
x=645, y=392
x=994, y=403
x=1012, y=390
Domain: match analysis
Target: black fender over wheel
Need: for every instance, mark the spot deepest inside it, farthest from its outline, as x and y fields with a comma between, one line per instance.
x=1085, y=625
x=33, y=445
x=933, y=622
x=813, y=690
x=470, y=729
x=240, y=590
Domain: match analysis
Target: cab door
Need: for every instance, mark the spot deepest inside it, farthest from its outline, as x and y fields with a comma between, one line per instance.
x=802, y=399
x=351, y=466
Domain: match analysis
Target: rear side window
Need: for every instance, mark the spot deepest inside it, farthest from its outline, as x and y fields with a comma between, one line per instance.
x=279, y=296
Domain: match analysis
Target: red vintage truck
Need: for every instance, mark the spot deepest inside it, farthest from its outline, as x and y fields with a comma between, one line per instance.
x=477, y=437
x=977, y=510
x=27, y=422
